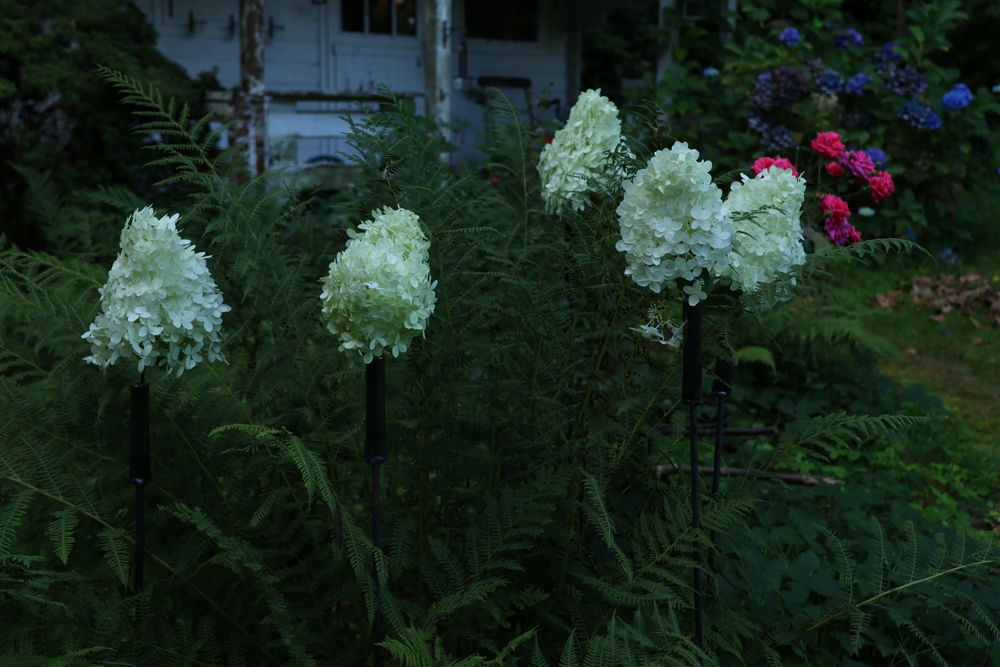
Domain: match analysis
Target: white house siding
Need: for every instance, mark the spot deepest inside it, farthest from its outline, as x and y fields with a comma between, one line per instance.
x=544, y=62
x=308, y=52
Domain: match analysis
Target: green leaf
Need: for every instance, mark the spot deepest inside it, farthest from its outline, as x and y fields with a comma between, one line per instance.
x=754, y=354
x=10, y=519
x=568, y=657
x=61, y=532
x=116, y=552
x=917, y=32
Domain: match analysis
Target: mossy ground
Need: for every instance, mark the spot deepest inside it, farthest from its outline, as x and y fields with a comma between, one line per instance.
x=952, y=358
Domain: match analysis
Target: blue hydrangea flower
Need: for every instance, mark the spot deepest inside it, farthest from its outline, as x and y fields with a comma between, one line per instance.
x=711, y=72
x=850, y=38
x=995, y=89
x=886, y=59
x=919, y=116
x=789, y=36
x=957, y=98
x=907, y=82
x=759, y=123
x=856, y=84
x=948, y=255
x=830, y=81
x=877, y=155
x=763, y=92
x=777, y=137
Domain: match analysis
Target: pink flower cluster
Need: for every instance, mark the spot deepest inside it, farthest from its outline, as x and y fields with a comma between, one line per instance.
x=840, y=231
x=764, y=163
x=859, y=164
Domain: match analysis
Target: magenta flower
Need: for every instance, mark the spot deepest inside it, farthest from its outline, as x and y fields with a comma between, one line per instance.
x=858, y=163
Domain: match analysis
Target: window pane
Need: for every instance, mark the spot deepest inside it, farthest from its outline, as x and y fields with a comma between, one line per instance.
x=379, y=19
x=352, y=15
x=514, y=20
x=406, y=17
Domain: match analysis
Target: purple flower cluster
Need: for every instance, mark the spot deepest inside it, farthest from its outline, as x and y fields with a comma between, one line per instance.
x=789, y=36
x=957, y=98
x=907, y=82
x=850, y=38
x=857, y=163
x=919, y=116
x=877, y=156
x=763, y=92
x=856, y=84
x=830, y=81
x=815, y=67
x=785, y=85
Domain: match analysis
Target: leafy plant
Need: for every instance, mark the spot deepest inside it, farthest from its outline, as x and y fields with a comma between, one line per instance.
x=522, y=520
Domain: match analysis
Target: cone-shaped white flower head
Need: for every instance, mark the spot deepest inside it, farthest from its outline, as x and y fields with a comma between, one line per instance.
x=578, y=151
x=770, y=243
x=672, y=223
x=379, y=292
x=159, y=301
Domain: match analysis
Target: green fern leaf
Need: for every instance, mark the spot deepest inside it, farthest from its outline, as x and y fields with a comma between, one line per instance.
x=116, y=552
x=61, y=532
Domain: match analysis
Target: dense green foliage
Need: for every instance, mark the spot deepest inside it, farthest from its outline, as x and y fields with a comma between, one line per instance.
x=937, y=171
x=59, y=123
x=522, y=523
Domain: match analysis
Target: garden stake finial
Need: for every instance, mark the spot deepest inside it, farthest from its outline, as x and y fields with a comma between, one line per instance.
x=139, y=470
x=691, y=393
x=721, y=387
x=376, y=453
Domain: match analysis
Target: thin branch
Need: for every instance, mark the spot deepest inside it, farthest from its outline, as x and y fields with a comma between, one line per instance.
x=787, y=477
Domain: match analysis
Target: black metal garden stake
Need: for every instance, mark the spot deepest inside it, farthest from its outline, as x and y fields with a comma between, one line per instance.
x=721, y=387
x=139, y=470
x=376, y=453
x=691, y=393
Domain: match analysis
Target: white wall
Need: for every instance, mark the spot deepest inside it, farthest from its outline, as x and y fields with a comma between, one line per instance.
x=309, y=52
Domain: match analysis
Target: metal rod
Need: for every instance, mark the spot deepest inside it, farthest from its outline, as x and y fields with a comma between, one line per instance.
x=376, y=540
x=140, y=469
x=696, y=521
x=376, y=453
x=721, y=387
x=691, y=394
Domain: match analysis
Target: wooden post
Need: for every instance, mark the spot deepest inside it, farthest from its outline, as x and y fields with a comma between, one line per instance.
x=574, y=66
x=665, y=56
x=249, y=102
x=726, y=34
x=438, y=30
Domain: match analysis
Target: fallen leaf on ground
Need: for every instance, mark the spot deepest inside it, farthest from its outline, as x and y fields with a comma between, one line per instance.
x=937, y=318
x=910, y=351
x=977, y=341
x=975, y=323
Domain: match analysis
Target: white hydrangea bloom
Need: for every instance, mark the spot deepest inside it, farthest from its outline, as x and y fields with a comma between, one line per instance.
x=159, y=301
x=672, y=223
x=659, y=323
x=771, y=243
x=578, y=151
x=379, y=292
